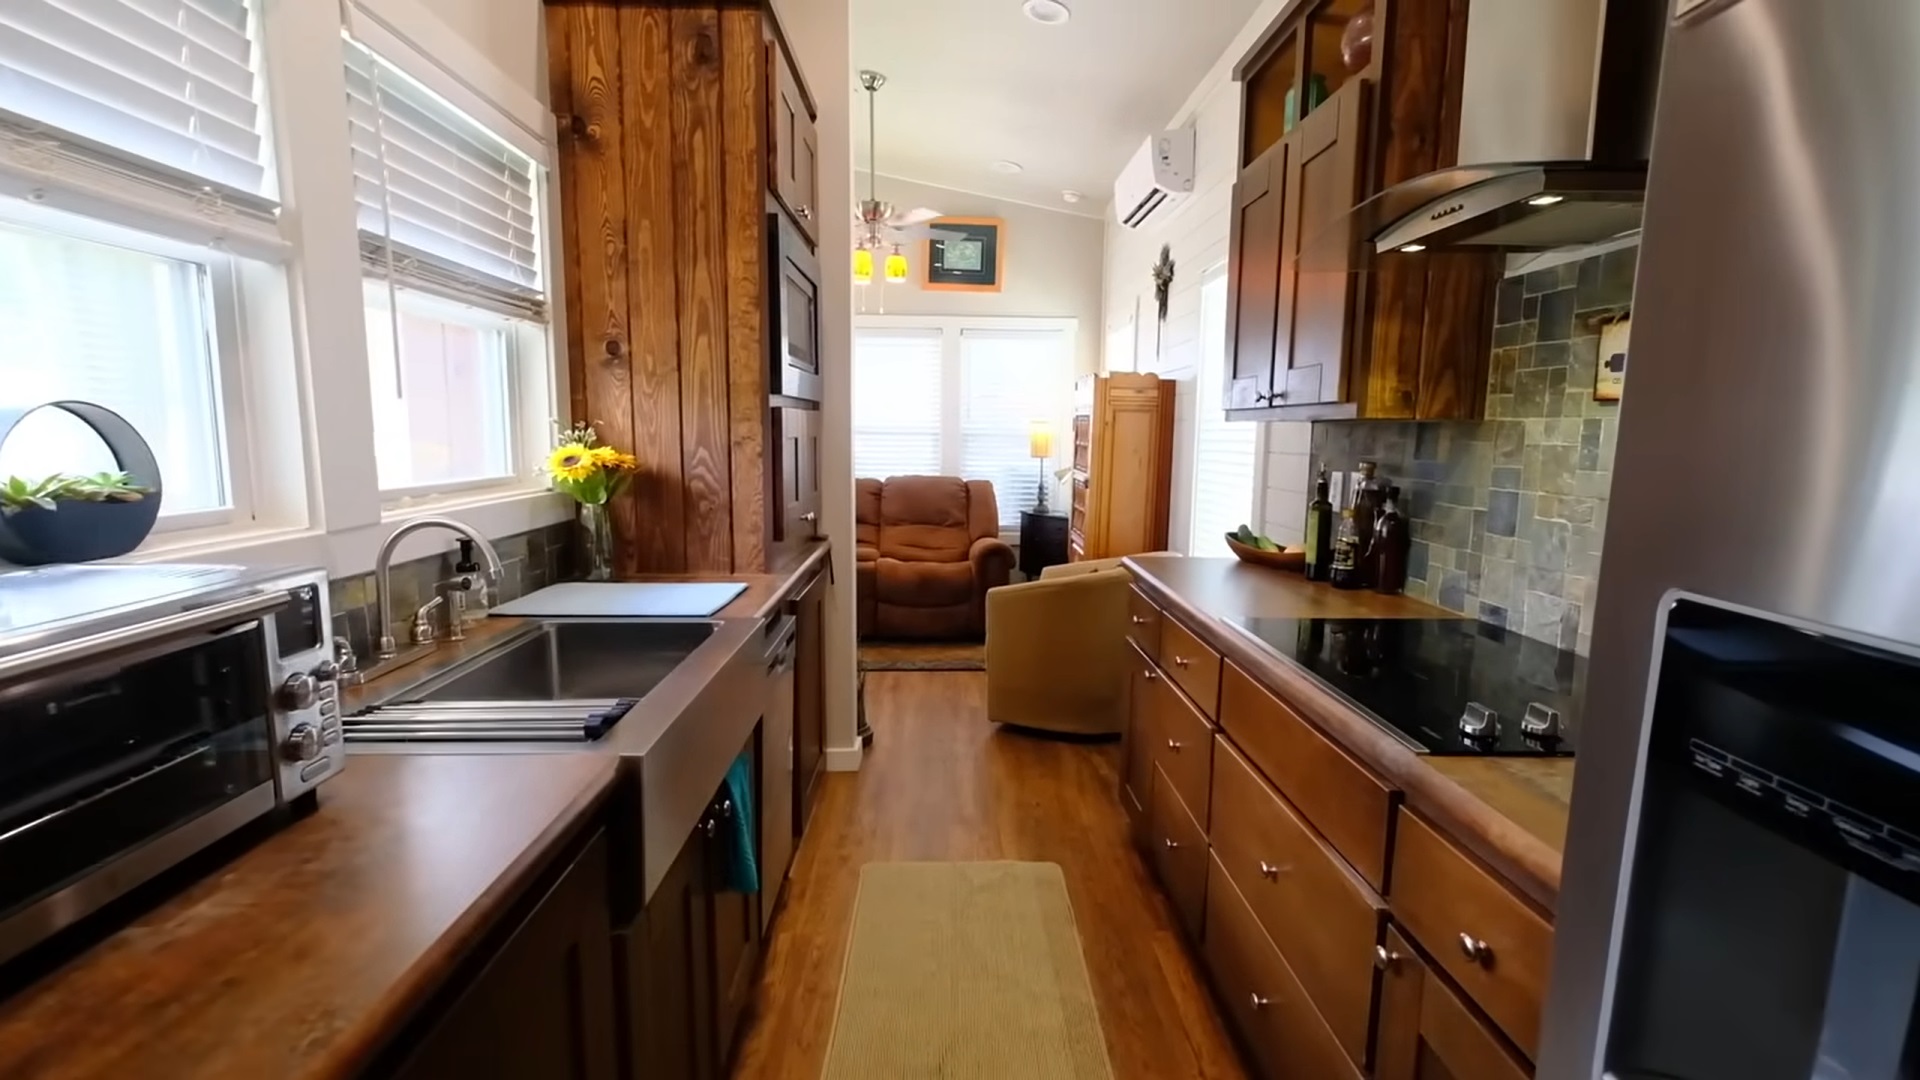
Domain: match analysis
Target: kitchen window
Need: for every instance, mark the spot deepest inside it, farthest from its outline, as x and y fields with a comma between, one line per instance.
x=959, y=397
x=1225, y=452
x=457, y=341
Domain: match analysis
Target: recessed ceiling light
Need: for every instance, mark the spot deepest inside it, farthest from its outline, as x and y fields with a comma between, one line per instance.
x=1008, y=168
x=1412, y=248
x=1047, y=12
x=1070, y=195
x=1546, y=200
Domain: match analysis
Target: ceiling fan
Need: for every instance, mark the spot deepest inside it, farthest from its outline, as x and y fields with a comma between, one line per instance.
x=879, y=225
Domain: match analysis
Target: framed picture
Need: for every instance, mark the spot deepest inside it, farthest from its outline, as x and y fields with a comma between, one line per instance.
x=974, y=263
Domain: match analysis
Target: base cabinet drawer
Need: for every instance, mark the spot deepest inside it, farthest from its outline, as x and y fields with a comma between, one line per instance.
x=1178, y=847
x=1428, y=1033
x=1183, y=750
x=1265, y=1003
x=1143, y=622
x=1487, y=939
x=1323, y=918
x=1144, y=690
x=1193, y=664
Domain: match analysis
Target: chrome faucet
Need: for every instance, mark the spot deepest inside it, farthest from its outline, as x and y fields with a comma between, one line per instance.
x=489, y=566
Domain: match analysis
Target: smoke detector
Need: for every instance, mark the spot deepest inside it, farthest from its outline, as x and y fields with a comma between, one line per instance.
x=1047, y=12
x=1008, y=168
x=1071, y=196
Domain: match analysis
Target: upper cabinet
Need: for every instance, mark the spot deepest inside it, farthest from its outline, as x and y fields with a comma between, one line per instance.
x=794, y=161
x=1341, y=99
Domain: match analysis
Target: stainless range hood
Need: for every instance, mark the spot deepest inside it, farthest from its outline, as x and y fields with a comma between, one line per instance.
x=1555, y=123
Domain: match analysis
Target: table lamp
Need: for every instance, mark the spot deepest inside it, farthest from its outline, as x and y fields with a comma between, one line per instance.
x=1040, y=446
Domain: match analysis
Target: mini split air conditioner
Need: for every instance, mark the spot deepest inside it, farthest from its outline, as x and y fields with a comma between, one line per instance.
x=1157, y=177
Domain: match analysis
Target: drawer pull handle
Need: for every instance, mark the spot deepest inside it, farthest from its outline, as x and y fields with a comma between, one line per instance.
x=1384, y=958
x=1139, y=620
x=1151, y=675
x=1476, y=950
x=1181, y=661
x=1171, y=843
x=1260, y=1002
x=1173, y=745
x=1270, y=871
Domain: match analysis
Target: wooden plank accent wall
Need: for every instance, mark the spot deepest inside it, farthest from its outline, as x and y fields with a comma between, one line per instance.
x=661, y=110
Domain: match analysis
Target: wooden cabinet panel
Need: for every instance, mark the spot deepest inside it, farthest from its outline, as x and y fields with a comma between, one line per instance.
x=1144, y=691
x=1193, y=664
x=544, y=1005
x=1428, y=1033
x=1120, y=505
x=810, y=696
x=1318, y=912
x=1178, y=847
x=776, y=807
x=1263, y=999
x=1143, y=622
x=1324, y=182
x=796, y=433
x=1259, y=280
x=795, y=151
x=1183, y=752
x=1337, y=795
x=735, y=929
x=1489, y=940
x=667, y=974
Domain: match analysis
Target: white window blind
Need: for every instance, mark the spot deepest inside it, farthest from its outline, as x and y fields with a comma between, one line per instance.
x=1008, y=380
x=897, y=403
x=149, y=104
x=445, y=205
x=1224, y=453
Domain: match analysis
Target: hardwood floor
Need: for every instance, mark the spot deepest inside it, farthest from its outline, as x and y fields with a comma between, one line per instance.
x=942, y=783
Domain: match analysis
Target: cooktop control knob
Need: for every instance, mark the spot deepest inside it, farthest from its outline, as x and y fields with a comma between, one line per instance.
x=327, y=671
x=1479, y=722
x=298, y=692
x=303, y=743
x=1541, y=722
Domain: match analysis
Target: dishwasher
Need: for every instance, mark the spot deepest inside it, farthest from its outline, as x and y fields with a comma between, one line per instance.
x=777, y=766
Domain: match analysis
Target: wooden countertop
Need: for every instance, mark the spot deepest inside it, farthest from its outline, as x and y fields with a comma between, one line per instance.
x=1512, y=812
x=307, y=951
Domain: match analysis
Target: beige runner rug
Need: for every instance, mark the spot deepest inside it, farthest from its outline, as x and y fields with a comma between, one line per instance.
x=964, y=970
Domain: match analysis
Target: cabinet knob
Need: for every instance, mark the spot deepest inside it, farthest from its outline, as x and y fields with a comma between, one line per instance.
x=1138, y=620
x=1384, y=958
x=1181, y=661
x=1173, y=745
x=1476, y=950
x=1260, y=1002
x=1270, y=871
x=1172, y=844
x=805, y=212
x=1151, y=675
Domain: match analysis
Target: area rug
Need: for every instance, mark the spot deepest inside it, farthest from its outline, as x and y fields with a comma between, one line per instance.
x=964, y=970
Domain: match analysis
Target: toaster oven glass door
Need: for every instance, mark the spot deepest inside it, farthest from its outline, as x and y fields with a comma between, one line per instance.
x=99, y=762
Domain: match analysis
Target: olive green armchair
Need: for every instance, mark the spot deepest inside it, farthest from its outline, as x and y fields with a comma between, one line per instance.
x=1056, y=650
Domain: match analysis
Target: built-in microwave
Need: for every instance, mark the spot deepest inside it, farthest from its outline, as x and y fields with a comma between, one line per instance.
x=145, y=712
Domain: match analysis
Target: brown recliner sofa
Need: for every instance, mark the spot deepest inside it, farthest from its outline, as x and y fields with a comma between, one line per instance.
x=927, y=549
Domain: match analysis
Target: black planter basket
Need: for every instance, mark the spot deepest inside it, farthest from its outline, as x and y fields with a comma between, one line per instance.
x=84, y=531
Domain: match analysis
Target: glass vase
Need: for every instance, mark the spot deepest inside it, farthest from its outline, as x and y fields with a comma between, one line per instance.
x=597, y=526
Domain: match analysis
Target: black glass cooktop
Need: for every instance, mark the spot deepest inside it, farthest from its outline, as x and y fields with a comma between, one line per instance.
x=1445, y=686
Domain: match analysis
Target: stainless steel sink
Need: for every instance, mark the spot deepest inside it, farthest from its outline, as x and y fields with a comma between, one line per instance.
x=571, y=660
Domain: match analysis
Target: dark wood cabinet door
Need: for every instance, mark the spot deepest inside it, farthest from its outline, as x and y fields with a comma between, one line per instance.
x=670, y=981
x=1259, y=280
x=1142, y=707
x=796, y=305
x=1427, y=1033
x=810, y=702
x=736, y=925
x=797, y=473
x=543, y=1007
x=1324, y=183
x=795, y=145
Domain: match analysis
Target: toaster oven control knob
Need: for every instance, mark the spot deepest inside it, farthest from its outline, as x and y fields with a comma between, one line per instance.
x=299, y=692
x=303, y=743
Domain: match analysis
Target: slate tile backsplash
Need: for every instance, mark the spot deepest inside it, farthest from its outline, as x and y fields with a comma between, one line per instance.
x=528, y=561
x=1507, y=514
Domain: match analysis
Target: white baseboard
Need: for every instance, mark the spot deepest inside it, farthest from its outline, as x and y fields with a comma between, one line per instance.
x=844, y=758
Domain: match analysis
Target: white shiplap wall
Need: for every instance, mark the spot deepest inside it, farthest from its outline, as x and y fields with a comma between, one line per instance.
x=1196, y=231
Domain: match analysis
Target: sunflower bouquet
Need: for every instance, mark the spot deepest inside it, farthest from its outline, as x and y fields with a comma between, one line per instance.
x=586, y=470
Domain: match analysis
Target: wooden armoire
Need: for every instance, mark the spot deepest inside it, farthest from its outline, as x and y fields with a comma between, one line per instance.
x=1122, y=465
x=687, y=183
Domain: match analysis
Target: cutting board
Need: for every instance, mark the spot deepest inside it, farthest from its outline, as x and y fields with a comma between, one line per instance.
x=625, y=600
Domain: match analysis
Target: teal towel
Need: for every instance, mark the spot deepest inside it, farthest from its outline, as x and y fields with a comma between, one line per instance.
x=741, y=867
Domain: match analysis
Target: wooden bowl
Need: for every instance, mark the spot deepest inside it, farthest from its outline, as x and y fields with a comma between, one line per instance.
x=1277, y=560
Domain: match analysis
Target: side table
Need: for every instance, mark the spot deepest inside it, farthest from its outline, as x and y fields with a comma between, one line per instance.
x=1043, y=542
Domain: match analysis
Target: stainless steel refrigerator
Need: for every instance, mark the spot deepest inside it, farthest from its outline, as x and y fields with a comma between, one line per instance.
x=1741, y=895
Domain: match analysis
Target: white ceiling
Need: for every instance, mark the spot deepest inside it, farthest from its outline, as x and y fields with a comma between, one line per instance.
x=972, y=82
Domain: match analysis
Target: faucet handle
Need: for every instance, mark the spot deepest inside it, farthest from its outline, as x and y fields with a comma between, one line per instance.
x=423, y=633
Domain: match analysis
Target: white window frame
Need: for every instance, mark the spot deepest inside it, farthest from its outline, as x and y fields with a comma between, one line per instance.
x=1214, y=405
x=1059, y=414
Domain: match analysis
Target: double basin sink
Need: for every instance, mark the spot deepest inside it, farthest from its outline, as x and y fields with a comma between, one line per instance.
x=562, y=680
